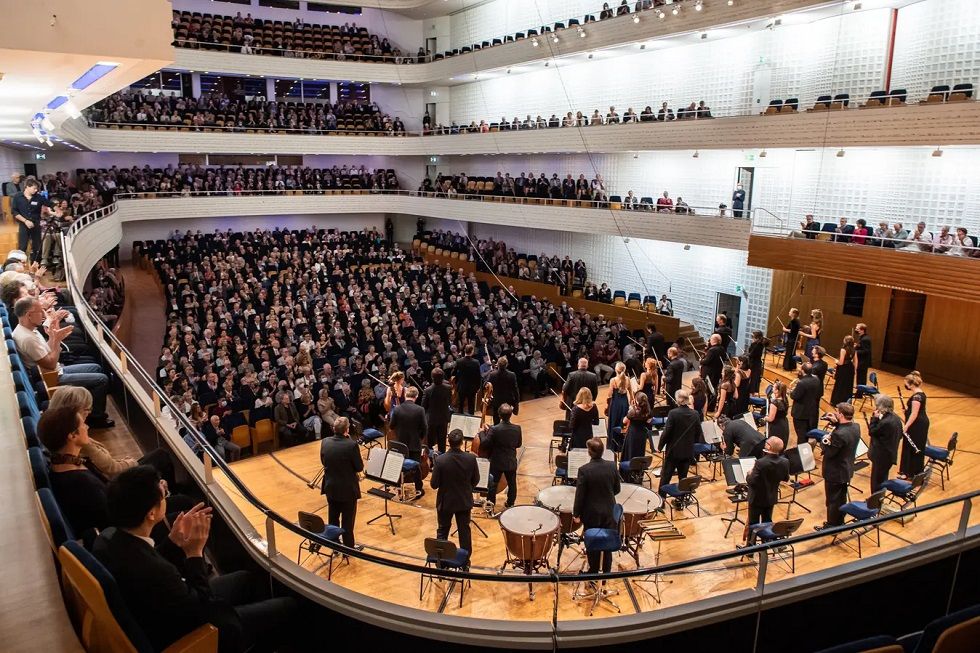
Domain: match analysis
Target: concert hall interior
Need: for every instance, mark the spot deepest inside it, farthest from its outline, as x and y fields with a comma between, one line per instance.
x=490, y=325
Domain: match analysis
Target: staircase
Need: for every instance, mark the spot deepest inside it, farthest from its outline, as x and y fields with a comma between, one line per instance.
x=690, y=335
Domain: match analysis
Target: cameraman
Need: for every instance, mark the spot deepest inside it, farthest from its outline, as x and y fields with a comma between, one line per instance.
x=26, y=207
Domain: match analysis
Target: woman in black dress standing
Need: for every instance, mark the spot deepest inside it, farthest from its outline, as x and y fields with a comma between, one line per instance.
x=917, y=428
x=743, y=376
x=584, y=415
x=699, y=396
x=756, y=353
x=791, y=333
x=844, y=374
x=776, y=418
x=726, y=394
x=636, y=424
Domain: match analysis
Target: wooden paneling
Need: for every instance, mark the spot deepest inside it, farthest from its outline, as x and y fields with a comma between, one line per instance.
x=952, y=277
x=948, y=124
x=949, y=346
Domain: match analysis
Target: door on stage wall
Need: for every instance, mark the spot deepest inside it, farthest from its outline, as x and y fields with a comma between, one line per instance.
x=730, y=305
x=745, y=177
x=902, y=331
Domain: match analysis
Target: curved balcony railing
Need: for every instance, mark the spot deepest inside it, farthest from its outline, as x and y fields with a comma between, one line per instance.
x=749, y=593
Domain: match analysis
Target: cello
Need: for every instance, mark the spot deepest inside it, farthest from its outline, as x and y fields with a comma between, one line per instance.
x=480, y=445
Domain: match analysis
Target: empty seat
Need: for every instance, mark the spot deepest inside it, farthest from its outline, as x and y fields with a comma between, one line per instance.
x=791, y=105
x=775, y=106
x=937, y=95
x=619, y=298
x=961, y=93
x=633, y=301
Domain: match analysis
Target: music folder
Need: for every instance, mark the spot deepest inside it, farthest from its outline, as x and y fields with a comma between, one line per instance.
x=737, y=470
x=579, y=457
x=384, y=466
x=483, y=464
x=749, y=419
x=712, y=434
x=800, y=458
x=468, y=424
x=599, y=430
x=862, y=449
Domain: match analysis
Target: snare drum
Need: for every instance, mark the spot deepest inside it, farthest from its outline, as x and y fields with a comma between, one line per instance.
x=529, y=532
x=560, y=499
x=637, y=502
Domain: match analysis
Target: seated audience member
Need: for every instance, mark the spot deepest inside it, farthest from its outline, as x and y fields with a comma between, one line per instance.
x=38, y=353
x=664, y=203
x=290, y=428
x=217, y=438
x=920, y=240
x=665, y=113
x=168, y=588
x=612, y=118
x=962, y=244
x=605, y=294
x=900, y=235
x=703, y=110
x=665, y=306
x=606, y=12
x=623, y=8
x=860, y=235
x=630, y=202
x=809, y=226
x=596, y=118
x=943, y=241
x=843, y=232
x=883, y=235
x=682, y=207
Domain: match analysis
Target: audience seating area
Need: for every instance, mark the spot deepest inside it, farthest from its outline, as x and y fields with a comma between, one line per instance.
x=297, y=39
x=896, y=97
x=946, y=241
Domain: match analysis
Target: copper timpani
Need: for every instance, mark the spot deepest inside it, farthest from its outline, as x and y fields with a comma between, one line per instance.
x=529, y=533
x=560, y=499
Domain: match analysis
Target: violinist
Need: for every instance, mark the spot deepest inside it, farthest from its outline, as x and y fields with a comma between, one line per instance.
x=435, y=401
x=395, y=394
x=620, y=398
x=635, y=426
x=756, y=354
x=650, y=380
x=791, y=334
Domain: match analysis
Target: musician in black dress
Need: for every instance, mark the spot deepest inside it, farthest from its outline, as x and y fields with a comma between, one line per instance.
x=916, y=426
x=885, y=430
x=863, y=353
x=791, y=333
x=725, y=404
x=595, y=499
x=674, y=374
x=844, y=373
x=763, y=481
x=839, y=447
x=756, y=354
x=743, y=378
x=584, y=416
x=505, y=389
x=778, y=409
x=468, y=378
x=435, y=401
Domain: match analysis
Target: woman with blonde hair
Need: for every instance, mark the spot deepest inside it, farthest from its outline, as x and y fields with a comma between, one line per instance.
x=812, y=332
x=620, y=397
x=584, y=416
x=916, y=427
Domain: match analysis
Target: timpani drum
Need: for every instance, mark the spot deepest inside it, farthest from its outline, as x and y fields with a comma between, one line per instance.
x=638, y=504
x=529, y=533
x=560, y=499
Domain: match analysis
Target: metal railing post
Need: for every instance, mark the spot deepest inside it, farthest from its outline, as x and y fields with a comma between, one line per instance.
x=964, y=518
x=270, y=536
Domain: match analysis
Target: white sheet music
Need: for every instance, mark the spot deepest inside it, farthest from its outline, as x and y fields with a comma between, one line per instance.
x=468, y=424
x=743, y=468
x=750, y=420
x=806, y=457
x=483, y=464
x=634, y=384
x=862, y=449
x=375, y=462
x=392, y=469
x=599, y=430
x=712, y=434
x=576, y=458
x=655, y=441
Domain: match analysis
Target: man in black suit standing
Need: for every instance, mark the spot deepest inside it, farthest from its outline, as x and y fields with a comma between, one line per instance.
x=806, y=402
x=682, y=428
x=435, y=401
x=885, y=430
x=468, y=379
x=863, y=354
x=595, y=499
x=505, y=389
x=723, y=328
x=763, y=481
x=674, y=375
x=656, y=343
x=738, y=433
x=409, y=423
x=713, y=361
x=839, y=447
x=454, y=476
x=341, y=462
x=504, y=439
x=580, y=378
x=167, y=588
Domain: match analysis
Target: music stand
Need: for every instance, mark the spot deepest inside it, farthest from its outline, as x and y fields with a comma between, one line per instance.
x=861, y=450
x=599, y=430
x=384, y=466
x=800, y=461
x=713, y=436
x=482, y=486
x=468, y=424
x=655, y=436
x=736, y=475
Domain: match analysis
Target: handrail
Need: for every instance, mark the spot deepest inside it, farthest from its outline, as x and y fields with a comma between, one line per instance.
x=194, y=44
x=551, y=577
x=262, y=129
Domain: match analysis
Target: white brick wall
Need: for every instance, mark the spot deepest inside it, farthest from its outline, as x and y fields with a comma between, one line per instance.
x=936, y=43
x=505, y=17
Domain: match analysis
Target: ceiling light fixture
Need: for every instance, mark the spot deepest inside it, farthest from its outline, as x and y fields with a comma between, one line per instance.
x=840, y=153
x=699, y=5
x=636, y=18
x=938, y=152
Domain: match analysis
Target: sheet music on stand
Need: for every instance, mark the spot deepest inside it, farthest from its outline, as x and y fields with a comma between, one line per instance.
x=599, y=430
x=712, y=434
x=749, y=419
x=483, y=464
x=800, y=459
x=468, y=424
x=384, y=466
x=862, y=449
x=579, y=457
x=655, y=440
x=737, y=470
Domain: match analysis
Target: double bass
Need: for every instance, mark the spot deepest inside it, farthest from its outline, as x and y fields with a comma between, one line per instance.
x=480, y=445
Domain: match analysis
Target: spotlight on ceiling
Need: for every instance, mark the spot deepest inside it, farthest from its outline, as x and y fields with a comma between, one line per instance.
x=636, y=18
x=938, y=152
x=840, y=153
x=699, y=5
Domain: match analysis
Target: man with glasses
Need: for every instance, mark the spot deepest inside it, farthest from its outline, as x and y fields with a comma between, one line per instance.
x=839, y=447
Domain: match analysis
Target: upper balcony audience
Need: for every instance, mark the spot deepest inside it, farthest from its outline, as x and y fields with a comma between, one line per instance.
x=949, y=240
x=218, y=111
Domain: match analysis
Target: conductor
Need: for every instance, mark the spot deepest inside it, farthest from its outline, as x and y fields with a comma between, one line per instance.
x=505, y=439
x=763, y=481
x=505, y=389
x=580, y=378
x=454, y=476
x=595, y=500
x=341, y=462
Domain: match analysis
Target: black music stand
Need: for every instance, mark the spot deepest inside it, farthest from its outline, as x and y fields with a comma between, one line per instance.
x=384, y=466
x=658, y=530
x=735, y=479
x=481, y=492
x=800, y=461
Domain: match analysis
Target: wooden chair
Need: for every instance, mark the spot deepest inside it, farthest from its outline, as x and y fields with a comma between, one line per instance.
x=264, y=431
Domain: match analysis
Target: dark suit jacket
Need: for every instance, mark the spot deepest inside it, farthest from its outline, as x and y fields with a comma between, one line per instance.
x=408, y=420
x=341, y=462
x=820, y=371
x=739, y=434
x=576, y=381
x=680, y=433
x=806, y=398
x=674, y=376
x=468, y=375
x=864, y=351
x=658, y=345
x=838, y=456
x=595, y=494
x=764, y=479
x=167, y=593
x=712, y=363
x=435, y=401
x=454, y=475
x=505, y=388
x=886, y=434
x=505, y=440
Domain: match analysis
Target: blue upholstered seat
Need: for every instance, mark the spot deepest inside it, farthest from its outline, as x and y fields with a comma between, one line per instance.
x=815, y=434
x=757, y=401
x=29, y=424
x=859, y=510
x=763, y=531
x=460, y=561
x=897, y=486
x=936, y=453
x=370, y=435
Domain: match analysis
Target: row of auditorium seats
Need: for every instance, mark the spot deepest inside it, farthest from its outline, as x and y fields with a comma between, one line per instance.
x=881, y=98
x=956, y=632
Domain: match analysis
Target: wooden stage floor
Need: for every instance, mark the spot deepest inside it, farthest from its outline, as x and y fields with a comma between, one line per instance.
x=280, y=480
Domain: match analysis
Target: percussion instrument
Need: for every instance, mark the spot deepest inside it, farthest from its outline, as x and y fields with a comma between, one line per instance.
x=560, y=499
x=529, y=533
x=638, y=503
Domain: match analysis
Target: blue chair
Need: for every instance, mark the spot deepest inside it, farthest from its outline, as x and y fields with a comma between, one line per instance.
x=904, y=493
x=11, y=346
x=941, y=459
x=29, y=424
x=619, y=298
x=55, y=524
x=27, y=405
x=39, y=468
x=370, y=438
x=862, y=511
x=816, y=434
x=953, y=633
x=7, y=333
x=561, y=470
x=635, y=469
x=607, y=541
x=633, y=300
x=314, y=524
x=772, y=532
x=409, y=467
x=16, y=363
x=867, y=390
x=683, y=494
x=21, y=382
x=443, y=554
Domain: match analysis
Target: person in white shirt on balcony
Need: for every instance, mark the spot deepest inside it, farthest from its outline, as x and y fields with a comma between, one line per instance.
x=612, y=118
x=962, y=244
x=920, y=240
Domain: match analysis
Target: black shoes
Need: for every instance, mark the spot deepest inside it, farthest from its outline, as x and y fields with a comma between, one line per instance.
x=102, y=423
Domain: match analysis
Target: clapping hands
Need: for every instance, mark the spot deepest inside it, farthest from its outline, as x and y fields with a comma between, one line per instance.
x=190, y=530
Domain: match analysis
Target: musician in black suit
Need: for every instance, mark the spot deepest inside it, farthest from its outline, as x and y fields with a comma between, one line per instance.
x=435, y=401
x=341, y=462
x=738, y=433
x=763, y=481
x=580, y=378
x=723, y=328
x=409, y=423
x=504, y=440
x=885, y=431
x=468, y=379
x=505, y=389
x=681, y=431
x=168, y=588
x=674, y=374
x=595, y=499
x=656, y=342
x=819, y=365
x=713, y=361
x=455, y=476
x=839, y=447
x=806, y=402
x=863, y=354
